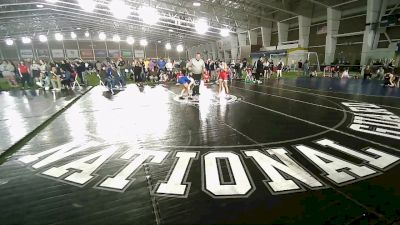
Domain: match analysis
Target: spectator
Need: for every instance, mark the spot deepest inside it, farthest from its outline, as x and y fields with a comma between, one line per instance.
x=345, y=73
x=367, y=72
x=24, y=73
x=306, y=68
x=9, y=73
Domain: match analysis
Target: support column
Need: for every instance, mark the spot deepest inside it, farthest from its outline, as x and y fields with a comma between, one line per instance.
x=304, y=31
x=253, y=37
x=375, y=10
x=333, y=20
x=234, y=46
x=242, y=39
x=283, y=31
x=214, y=51
x=266, y=34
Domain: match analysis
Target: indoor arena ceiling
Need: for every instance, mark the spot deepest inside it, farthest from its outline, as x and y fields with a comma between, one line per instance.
x=177, y=17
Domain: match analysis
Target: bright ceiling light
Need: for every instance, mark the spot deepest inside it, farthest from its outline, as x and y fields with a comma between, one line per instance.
x=179, y=48
x=102, y=36
x=9, y=42
x=42, y=38
x=52, y=1
x=149, y=15
x=73, y=35
x=26, y=40
x=39, y=6
x=87, y=34
x=78, y=28
x=116, y=38
x=201, y=26
x=168, y=46
x=170, y=30
x=119, y=9
x=87, y=5
x=196, y=4
x=130, y=40
x=224, y=32
x=143, y=42
x=59, y=37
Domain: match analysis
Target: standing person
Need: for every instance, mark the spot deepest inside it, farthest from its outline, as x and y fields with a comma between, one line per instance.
x=169, y=66
x=98, y=67
x=259, y=69
x=212, y=71
x=35, y=68
x=137, y=71
x=223, y=79
x=279, y=69
x=197, y=67
x=121, y=65
x=306, y=68
x=299, y=65
x=44, y=75
x=24, y=72
x=266, y=69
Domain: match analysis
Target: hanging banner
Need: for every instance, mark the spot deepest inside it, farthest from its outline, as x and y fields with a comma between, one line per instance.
x=114, y=53
x=42, y=53
x=126, y=53
x=72, y=53
x=57, y=53
x=100, y=53
x=26, y=53
x=139, y=54
x=87, y=53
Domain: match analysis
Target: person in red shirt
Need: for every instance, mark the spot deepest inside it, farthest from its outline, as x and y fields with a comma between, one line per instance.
x=24, y=72
x=223, y=79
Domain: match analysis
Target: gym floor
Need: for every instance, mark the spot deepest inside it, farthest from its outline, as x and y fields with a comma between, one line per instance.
x=282, y=152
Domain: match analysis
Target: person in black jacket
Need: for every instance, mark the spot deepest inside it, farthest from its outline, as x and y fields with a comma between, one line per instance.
x=259, y=70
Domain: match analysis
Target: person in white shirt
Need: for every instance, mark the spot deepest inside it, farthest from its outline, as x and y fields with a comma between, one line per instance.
x=169, y=66
x=345, y=73
x=197, y=67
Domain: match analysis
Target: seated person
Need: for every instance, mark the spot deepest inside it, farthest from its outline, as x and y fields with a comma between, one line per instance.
x=55, y=78
x=66, y=78
x=345, y=73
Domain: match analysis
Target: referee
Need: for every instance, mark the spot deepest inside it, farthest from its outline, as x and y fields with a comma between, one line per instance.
x=197, y=67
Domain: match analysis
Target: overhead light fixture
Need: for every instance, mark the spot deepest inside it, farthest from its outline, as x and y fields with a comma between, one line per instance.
x=149, y=15
x=170, y=30
x=87, y=34
x=102, y=36
x=196, y=4
x=224, y=32
x=116, y=38
x=59, y=37
x=119, y=9
x=78, y=28
x=143, y=42
x=87, y=5
x=39, y=6
x=9, y=42
x=26, y=40
x=179, y=48
x=130, y=40
x=168, y=46
x=73, y=35
x=201, y=26
x=52, y=1
x=42, y=38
